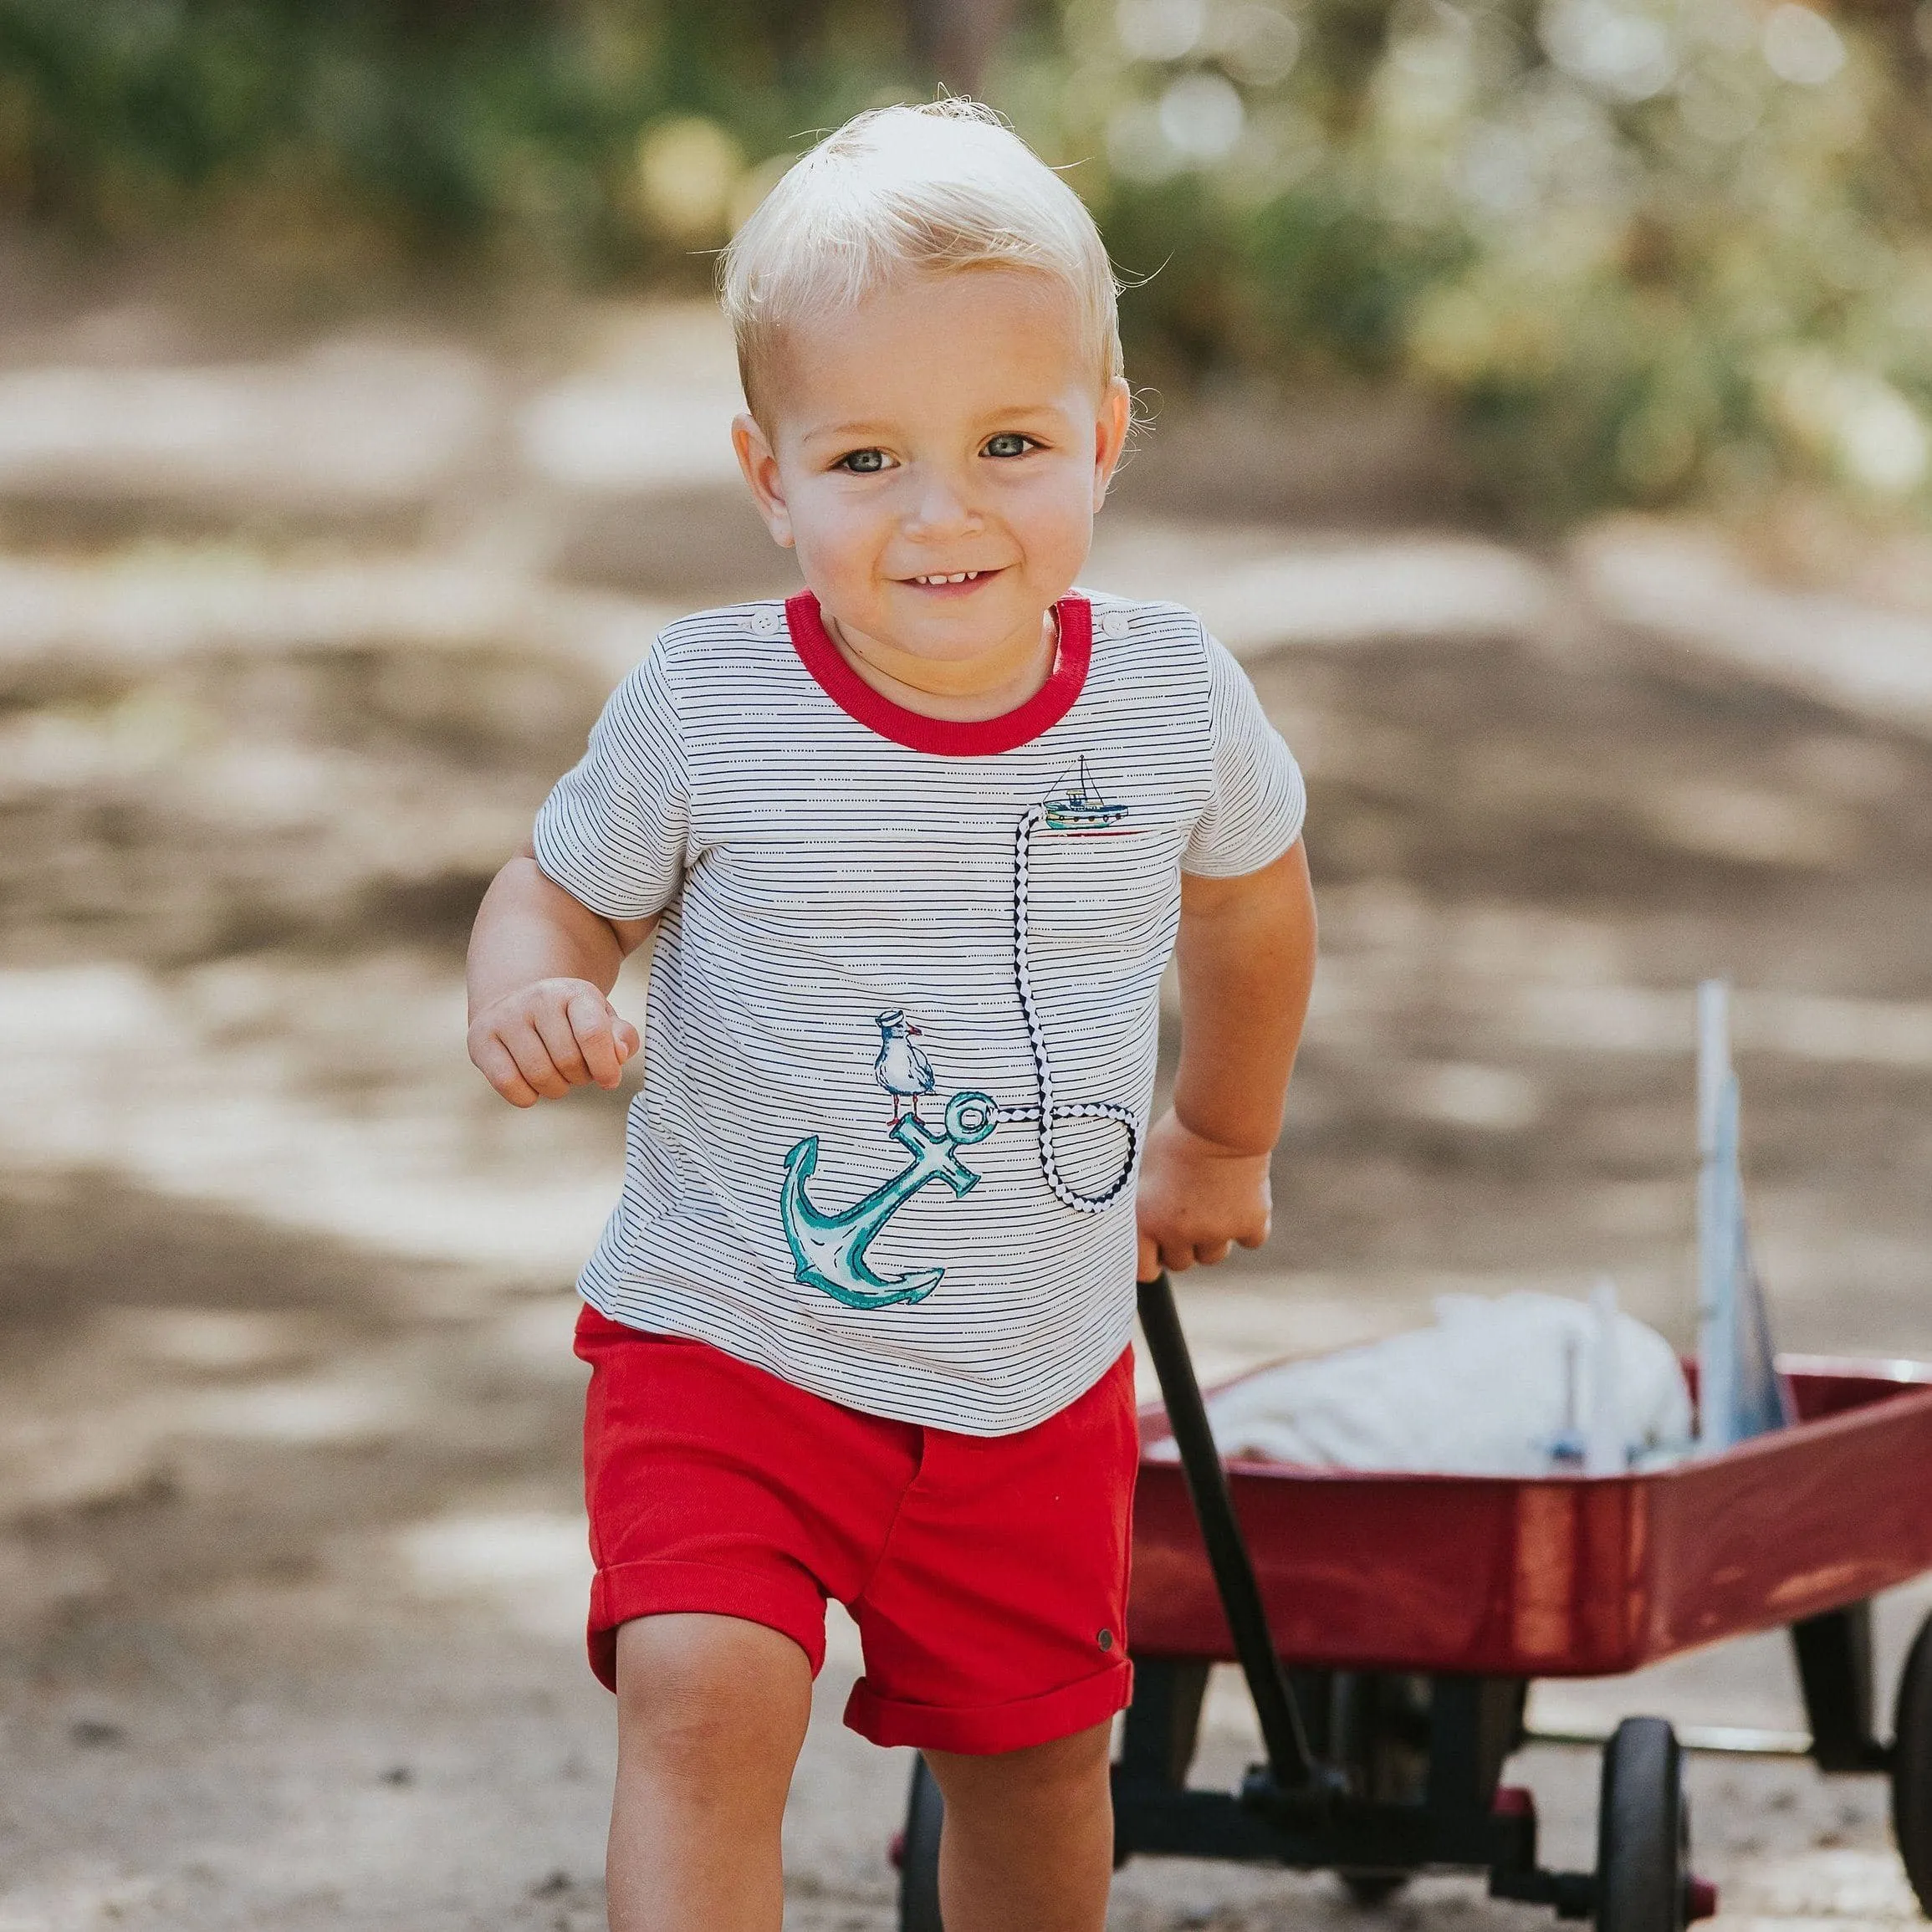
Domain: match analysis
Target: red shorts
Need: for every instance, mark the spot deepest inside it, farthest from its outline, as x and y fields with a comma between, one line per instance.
x=988, y=1575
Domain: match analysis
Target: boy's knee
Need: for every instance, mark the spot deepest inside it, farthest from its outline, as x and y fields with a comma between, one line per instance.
x=696, y=1691
x=1060, y=1772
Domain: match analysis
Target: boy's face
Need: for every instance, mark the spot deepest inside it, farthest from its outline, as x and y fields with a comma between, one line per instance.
x=949, y=423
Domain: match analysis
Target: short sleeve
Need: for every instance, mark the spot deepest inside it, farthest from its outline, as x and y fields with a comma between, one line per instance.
x=612, y=832
x=1258, y=805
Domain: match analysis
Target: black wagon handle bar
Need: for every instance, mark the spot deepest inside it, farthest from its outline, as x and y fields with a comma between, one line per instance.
x=1282, y=1732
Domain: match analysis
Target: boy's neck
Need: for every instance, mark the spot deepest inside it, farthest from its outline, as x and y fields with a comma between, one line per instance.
x=962, y=691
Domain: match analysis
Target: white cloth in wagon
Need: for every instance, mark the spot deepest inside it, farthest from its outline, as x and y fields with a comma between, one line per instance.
x=1502, y=1387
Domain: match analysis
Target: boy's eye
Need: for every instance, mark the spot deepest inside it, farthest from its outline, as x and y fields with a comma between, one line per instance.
x=862, y=462
x=1010, y=442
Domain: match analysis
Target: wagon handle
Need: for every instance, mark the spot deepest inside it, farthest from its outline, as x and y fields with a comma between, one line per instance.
x=1289, y=1761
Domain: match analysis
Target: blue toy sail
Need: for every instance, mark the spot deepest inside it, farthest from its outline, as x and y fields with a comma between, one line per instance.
x=1741, y=1394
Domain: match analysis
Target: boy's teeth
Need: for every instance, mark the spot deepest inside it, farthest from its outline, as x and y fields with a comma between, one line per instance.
x=940, y=577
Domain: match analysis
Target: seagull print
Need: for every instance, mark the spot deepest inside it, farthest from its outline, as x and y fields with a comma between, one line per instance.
x=902, y=1069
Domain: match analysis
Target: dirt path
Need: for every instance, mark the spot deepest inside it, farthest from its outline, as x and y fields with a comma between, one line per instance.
x=295, y=627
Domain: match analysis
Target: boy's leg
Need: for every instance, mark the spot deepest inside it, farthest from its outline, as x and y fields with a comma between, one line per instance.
x=711, y=1714
x=1029, y=1837
x=992, y=1629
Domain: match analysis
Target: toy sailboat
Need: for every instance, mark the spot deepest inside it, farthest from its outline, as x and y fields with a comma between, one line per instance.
x=1080, y=807
x=1740, y=1393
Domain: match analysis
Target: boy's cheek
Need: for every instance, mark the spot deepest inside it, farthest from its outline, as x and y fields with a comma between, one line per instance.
x=1055, y=515
x=833, y=545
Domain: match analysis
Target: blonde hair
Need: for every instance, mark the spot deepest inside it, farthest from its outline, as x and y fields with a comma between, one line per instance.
x=931, y=189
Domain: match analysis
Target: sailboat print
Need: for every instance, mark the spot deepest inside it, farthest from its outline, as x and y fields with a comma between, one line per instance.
x=1079, y=807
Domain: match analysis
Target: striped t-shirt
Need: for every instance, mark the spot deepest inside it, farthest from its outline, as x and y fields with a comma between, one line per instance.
x=901, y=1036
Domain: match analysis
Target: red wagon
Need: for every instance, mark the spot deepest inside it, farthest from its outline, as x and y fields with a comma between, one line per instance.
x=1389, y=1627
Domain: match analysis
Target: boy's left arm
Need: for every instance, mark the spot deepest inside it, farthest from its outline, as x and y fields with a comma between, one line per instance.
x=1246, y=957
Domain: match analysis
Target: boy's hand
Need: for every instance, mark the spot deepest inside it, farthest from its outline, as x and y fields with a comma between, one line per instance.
x=1197, y=1199
x=540, y=1041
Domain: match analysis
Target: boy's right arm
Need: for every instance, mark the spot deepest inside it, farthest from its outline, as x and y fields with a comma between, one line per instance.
x=540, y=963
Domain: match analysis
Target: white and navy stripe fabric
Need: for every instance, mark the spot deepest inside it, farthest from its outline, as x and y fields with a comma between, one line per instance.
x=900, y=1042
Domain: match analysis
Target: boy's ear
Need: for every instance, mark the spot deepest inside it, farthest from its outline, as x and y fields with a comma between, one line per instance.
x=1110, y=435
x=760, y=467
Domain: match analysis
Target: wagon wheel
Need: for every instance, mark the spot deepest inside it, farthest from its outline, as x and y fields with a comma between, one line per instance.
x=1370, y=1888
x=1912, y=1767
x=1643, y=1832
x=1378, y=1729
x=919, y=1853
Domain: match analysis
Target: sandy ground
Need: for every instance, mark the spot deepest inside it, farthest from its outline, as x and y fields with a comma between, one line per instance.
x=299, y=617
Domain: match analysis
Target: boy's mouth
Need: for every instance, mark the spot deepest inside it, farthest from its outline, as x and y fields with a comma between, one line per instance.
x=957, y=582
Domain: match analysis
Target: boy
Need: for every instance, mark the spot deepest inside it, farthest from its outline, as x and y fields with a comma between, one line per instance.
x=915, y=845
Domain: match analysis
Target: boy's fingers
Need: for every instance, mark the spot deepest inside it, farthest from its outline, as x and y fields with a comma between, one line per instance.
x=533, y=1061
x=629, y=1040
x=552, y=1023
x=493, y=1062
x=1149, y=1264
x=1215, y=1251
x=589, y=1022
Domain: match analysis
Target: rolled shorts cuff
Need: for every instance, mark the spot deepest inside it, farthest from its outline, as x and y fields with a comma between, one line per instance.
x=985, y=1729
x=667, y=1588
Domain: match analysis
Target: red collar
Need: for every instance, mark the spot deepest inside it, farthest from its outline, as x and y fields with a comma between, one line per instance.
x=947, y=737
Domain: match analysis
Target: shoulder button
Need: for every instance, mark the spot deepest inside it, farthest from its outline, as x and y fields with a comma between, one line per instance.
x=768, y=622
x=1113, y=624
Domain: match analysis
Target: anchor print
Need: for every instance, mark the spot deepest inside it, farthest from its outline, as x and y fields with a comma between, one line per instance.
x=828, y=1250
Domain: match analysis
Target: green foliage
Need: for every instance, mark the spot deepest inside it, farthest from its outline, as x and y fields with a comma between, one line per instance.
x=452, y=120
x=1649, y=249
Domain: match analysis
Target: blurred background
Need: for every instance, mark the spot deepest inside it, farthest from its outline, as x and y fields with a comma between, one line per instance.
x=1538, y=400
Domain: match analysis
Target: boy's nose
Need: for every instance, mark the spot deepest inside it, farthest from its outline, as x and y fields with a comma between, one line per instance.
x=940, y=507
